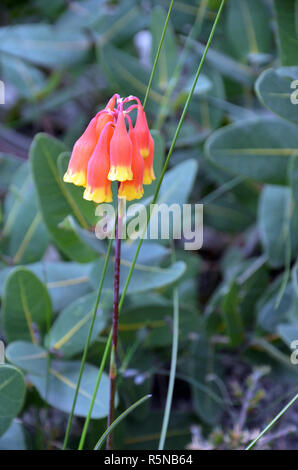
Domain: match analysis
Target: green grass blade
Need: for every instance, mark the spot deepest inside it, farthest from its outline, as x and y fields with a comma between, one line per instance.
x=119, y=419
x=84, y=356
x=272, y=422
x=186, y=106
x=178, y=69
x=167, y=412
x=101, y=368
x=158, y=53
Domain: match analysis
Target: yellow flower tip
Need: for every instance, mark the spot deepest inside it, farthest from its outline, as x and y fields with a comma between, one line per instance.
x=98, y=195
x=78, y=178
x=149, y=176
x=120, y=173
x=130, y=192
x=144, y=152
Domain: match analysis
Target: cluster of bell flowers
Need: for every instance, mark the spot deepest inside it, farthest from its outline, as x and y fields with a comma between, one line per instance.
x=107, y=151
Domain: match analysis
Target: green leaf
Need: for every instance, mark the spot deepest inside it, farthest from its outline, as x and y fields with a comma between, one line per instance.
x=8, y=166
x=274, y=90
x=286, y=15
x=65, y=282
x=28, y=356
x=204, y=369
x=145, y=276
x=233, y=320
x=270, y=314
x=178, y=182
x=26, y=306
x=168, y=54
x=61, y=388
x=12, y=394
x=55, y=199
x=13, y=438
x=58, y=387
x=288, y=333
x=248, y=28
x=25, y=235
x=276, y=224
x=152, y=314
x=70, y=330
x=258, y=149
x=28, y=80
x=44, y=44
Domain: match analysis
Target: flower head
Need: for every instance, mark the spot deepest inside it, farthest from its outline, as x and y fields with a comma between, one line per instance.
x=107, y=152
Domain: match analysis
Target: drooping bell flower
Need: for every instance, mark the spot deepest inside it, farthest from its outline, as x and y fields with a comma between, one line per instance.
x=108, y=152
x=142, y=132
x=83, y=148
x=120, y=152
x=98, y=186
x=149, y=175
x=77, y=168
x=133, y=189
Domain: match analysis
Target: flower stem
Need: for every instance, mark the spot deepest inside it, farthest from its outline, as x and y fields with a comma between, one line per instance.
x=84, y=357
x=113, y=364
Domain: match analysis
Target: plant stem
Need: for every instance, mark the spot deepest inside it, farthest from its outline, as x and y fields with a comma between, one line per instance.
x=113, y=363
x=87, y=344
x=158, y=53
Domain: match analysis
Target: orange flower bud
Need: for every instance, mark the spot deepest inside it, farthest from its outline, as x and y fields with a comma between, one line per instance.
x=134, y=189
x=142, y=132
x=120, y=152
x=149, y=175
x=98, y=186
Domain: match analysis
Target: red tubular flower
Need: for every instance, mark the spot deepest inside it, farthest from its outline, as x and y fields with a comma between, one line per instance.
x=149, y=175
x=107, y=152
x=85, y=145
x=133, y=189
x=120, y=152
x=82, y=151
x=142, y=132
x=98, y=186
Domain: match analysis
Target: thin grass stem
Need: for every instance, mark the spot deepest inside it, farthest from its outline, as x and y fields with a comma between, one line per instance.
x=177, y=132
x=158, y=53
x=279, y=415
x=118, y=420
x=174, y=355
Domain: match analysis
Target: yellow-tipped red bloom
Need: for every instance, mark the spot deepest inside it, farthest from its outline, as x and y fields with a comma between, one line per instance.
x=149, y=175
x=142, y=132
x=133, y=189
x=98, y=186
x=82, y=151
x=120, y=152
x=107, y=152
